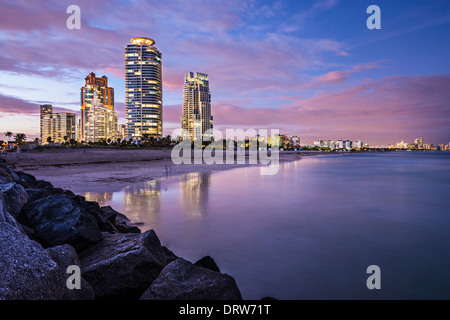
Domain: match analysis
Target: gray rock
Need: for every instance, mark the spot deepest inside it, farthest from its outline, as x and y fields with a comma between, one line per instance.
x=35, y=194
x=7, y=218
x=65, y=256
x=123, y=265
x=182, y=280
x=208, y=263
x=14, y=197
x=58, y=220
x=118, y=221
x=27, y=270
x=9, y=173
x=170, y=256
x=27, y=179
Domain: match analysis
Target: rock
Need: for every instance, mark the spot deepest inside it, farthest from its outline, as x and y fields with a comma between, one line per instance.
x=14, y=197
x=34, y=194
x=208, y=263
x=4, y=179
x=27, y=270
x=182, y=280
x=41, y=184
x=7, y=218
x=29, y=232
x=65, y=256
x=170, y=256
x=9, y=173
x=123, y=265
x=58, y=220
x=27, y=179
x=119, y=221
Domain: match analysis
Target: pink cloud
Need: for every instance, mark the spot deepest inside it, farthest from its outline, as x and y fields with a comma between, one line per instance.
x=340, y=76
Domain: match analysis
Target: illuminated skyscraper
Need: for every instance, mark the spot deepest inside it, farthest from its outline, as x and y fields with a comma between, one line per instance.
x=94, y=87
x=101, y=122
x=45, y=109
x=196, y=119
x=143, y=89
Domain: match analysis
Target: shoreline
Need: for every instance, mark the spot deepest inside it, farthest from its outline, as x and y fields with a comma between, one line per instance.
x=109, y=170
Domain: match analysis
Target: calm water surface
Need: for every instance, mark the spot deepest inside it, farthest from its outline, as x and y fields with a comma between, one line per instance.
x=310, y=231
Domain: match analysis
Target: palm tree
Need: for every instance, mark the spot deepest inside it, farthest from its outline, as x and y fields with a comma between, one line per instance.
x=8, y=134
x=49, y=139
x=19, y=138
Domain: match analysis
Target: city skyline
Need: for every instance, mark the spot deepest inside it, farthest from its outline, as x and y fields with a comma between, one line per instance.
x=310, y=69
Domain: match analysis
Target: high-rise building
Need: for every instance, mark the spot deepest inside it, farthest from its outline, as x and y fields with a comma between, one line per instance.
x=101, y=122
x=45, y=109
x=196, y=119
x=57, y=127
x=143, y=89
x=94, y=87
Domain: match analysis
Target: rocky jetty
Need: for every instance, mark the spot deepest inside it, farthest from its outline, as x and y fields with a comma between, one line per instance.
x=44, y=230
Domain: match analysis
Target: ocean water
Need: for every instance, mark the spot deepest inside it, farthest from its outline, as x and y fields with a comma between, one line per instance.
x=311, y=230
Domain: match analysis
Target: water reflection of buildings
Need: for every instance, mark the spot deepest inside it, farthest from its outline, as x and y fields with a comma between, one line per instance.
x=102, y=198
x=143, y=202
x=194, y=192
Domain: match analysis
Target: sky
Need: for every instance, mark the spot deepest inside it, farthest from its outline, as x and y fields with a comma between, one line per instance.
x=309, y=68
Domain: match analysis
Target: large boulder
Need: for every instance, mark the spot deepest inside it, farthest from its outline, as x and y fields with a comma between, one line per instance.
x=123, y=265
x=27, y=270
x=58, y=220
x=208, y=263
x=182, y=280
x=9, y=173
x=14, y=197
x=66, y=256
x=119, y=221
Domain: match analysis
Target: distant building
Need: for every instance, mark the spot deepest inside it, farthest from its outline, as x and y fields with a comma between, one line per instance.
x=317, y=143
x=96, y=118
x=57, y=127
x=122, y=134
x=348, y=144
x=419, y=143
x=358, y=144
x=274, y=140
x=295, y=141
x=196, y=119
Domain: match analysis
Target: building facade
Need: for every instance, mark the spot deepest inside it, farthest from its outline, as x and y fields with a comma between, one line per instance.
x=88, y=125
x=44, y=109
x=143, y=89
x=101, y=123
x=196, y=119
x=122, y=134
x=57, y=127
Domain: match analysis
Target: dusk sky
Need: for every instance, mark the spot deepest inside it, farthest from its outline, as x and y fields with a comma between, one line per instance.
x=309, y=68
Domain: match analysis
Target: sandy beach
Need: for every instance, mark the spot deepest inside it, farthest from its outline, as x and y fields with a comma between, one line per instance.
x=108, y=170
